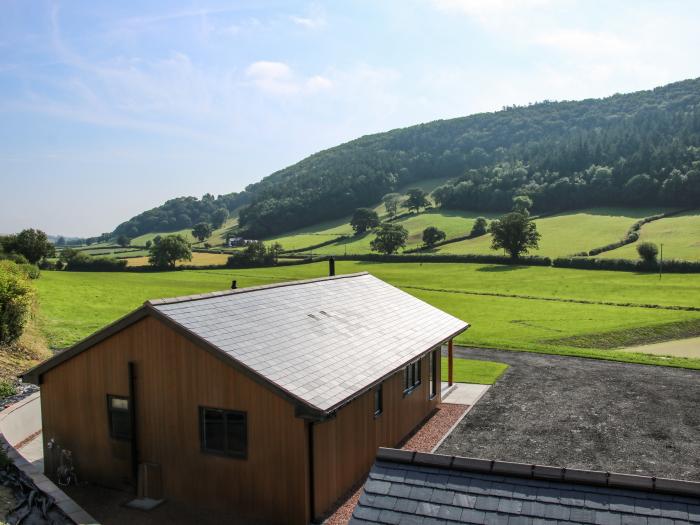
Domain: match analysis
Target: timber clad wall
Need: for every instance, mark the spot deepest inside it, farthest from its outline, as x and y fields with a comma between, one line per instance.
x=174, y=378
x=346, y=446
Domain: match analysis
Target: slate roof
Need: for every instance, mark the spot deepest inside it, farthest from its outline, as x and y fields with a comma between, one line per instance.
x=413, y=488
x=322, y=340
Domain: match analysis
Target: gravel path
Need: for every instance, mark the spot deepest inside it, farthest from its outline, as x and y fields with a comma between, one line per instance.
x=423, y=440
x=585, y=413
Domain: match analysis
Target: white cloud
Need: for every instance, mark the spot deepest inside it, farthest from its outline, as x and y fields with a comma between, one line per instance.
x=278, y=78
x=586, y=43
x=307, y=22
x=314, y=18
x=318, y=83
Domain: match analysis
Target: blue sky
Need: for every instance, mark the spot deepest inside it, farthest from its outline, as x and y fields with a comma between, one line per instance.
x=110, y=108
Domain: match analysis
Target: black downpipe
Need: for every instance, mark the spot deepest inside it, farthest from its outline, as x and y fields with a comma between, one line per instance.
x=312, y=489
x=132, y=420
x=331, y=266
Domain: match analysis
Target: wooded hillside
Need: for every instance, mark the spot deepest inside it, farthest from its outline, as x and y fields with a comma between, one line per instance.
x=636, y=149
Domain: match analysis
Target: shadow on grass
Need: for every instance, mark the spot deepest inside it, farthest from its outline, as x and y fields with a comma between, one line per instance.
x=499, y=268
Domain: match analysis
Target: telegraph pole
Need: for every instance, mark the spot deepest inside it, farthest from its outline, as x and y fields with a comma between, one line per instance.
x=661, y=260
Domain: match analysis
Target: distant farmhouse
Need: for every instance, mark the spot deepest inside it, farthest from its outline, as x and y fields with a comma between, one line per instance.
x=234, y=242
x=268, y=402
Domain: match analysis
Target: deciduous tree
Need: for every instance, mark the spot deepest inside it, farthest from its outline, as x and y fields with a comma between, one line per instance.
x=432, y=235
x=416, y=198
x=515, y=233
x=390, y=237
x=647, y=251
x=364, y=219
x=201, y=231
x=168, y=251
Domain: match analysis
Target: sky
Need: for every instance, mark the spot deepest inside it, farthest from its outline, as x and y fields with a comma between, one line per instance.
x=110, y=108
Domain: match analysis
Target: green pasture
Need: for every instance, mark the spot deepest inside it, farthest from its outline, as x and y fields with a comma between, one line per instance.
x=534, y=310
x=567, y=233
x=473, y=371
x=218, y=236
x=679, y=234
x=453, y=222
x=326, y=231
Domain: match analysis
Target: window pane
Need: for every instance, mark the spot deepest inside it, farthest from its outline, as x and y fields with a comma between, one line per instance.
x=235, y=433
x=214, y=438
x=407, y=377
x=119, y=403
x=418, y=372
x=121, y=424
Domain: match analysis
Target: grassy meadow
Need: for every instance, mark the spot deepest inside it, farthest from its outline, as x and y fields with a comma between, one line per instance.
x=198, y=259
x=218, y=236
x=568, y=233
x=520, y=308
x=679, y=234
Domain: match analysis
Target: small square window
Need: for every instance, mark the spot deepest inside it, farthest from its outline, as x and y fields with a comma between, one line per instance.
x=223, y=432
x=119, y=417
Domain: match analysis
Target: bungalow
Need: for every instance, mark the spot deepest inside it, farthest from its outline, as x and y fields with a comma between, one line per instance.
x=267, y=402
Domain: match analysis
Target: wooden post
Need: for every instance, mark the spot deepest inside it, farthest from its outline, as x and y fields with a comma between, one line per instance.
x=449, y=363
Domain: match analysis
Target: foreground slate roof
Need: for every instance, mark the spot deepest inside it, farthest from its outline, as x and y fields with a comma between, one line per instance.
x=319, y=342
x=407, y=487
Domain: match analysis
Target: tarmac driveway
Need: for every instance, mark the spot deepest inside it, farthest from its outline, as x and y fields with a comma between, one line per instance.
x=585, y=413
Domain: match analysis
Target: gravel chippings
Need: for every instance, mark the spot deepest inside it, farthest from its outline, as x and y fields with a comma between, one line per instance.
x=585, y=413
x=423, y=440
x=23, y=390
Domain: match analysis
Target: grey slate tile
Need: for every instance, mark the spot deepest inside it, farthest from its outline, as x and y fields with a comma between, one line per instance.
x=367, y=323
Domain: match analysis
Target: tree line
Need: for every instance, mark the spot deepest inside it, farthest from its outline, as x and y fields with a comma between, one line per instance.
x=634, y=149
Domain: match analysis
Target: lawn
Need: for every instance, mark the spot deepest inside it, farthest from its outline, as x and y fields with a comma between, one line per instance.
x=473, y=371
x=568, y=233
x=679, y=234
x=75, y=304
x=198, y=259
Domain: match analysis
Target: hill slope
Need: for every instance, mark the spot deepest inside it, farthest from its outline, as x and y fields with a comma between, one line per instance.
x=637, y=149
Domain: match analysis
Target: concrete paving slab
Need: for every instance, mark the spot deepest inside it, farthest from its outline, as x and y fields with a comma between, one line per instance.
x=466, y=394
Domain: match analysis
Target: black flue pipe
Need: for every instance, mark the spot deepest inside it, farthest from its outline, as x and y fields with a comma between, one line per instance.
x=331, y=266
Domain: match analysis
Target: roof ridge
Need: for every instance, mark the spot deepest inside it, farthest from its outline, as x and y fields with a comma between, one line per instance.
x=542, y=472
x=223, y=293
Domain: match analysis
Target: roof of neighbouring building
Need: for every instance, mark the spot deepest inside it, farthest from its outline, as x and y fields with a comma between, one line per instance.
x=416, y=488
x=320, y=341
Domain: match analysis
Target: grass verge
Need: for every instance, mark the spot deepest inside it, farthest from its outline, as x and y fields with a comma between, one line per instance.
x=473, y=371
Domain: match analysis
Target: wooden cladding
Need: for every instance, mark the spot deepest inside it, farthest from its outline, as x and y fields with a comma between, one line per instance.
x=345, y=447
x=167, y=383
x=174, y=378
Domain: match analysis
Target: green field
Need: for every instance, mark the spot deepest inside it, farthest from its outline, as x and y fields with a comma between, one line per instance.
x=326, y=231
x=473, y=371
x=453, y=223
x=567, y=233
x=218, y=236
x=521, y=308
x=679, y=234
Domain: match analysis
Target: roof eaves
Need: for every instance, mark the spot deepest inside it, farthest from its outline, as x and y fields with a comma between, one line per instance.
x=33, y=375
x=358, y=393
x=222, y=293
x=542, y=472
